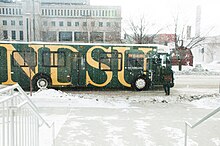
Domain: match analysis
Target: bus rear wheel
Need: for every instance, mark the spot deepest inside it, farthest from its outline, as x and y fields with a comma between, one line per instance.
x=140, y=84
x=41, y=82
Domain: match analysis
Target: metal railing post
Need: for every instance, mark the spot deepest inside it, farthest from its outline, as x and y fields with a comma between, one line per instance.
x=12, y=129
x=186, y=126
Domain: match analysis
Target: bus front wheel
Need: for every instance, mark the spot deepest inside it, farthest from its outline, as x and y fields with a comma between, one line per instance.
x=40, y=82
x=140, y=84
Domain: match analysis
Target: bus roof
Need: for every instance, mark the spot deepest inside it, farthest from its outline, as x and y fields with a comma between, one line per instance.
x=160, y=48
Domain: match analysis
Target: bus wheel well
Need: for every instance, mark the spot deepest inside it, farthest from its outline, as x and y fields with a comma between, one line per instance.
x=41, y=80
x=141, y=83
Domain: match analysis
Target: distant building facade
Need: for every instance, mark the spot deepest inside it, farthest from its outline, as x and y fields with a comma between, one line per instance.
x=59, y=21
x=164, y=39
x=208, y=51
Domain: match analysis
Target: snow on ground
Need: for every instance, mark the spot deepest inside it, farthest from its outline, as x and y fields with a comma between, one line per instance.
x=198, y=69
x=124, y=100
x=62, y=99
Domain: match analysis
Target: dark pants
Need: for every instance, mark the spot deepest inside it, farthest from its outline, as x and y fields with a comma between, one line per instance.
x=167, y=88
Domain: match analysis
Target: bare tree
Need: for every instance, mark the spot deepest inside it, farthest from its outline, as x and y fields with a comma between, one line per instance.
x=180, y=32
x=139, y=31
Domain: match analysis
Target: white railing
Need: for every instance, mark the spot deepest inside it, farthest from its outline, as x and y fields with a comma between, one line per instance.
x=198, y=123
x=20, y=120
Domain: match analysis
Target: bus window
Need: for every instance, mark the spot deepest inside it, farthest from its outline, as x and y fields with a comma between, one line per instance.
x=110, y=61
x=165, y=60
x=78, y=61
x=105, y=61
x=53, y=59
x=135, y=61
x=24, y=58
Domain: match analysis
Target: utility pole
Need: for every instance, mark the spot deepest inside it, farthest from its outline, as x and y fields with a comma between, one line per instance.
x=34, y=30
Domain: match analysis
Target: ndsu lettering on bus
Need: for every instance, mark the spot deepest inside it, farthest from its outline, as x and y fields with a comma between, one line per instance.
x=89, y=60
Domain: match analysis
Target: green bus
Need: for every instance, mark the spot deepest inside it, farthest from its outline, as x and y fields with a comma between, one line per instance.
x=45, y=64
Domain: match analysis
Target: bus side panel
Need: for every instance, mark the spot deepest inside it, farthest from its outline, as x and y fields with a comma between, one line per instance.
x=3, y=65
x=96, y=75
x=18, y=70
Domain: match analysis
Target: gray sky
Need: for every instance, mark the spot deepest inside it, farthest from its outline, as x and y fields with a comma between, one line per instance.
x=163, y=12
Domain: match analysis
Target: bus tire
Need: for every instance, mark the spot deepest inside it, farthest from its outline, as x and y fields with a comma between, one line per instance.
x=140, y=84
x=41, y=81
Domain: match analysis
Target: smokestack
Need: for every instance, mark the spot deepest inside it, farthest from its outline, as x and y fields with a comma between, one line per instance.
x=198, y=20
x=188, y=32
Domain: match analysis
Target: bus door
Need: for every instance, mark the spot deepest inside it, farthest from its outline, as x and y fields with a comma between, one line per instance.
x=78, y=69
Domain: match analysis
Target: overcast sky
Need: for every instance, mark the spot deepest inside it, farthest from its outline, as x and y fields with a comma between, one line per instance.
x=163, y=12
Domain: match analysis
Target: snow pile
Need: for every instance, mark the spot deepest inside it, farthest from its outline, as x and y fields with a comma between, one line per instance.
x=199, y=69
x=207, y=102
x=119, y=99
x=61, y=99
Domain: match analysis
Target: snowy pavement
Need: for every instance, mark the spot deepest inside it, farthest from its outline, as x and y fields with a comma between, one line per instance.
x=127, y=118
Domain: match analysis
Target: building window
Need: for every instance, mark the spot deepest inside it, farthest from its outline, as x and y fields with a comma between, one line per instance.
x=69, y=24
x=21, y=35
x=81, y=36
x=100, y=24
x=4, y=22
x=5, y=34
x=61, y=23
x=20, y=22
x=13, y=35
x=53, y=23
x=116, y=24
x=49, y=36
x=112, y=36
x=93, y=23
x=96, y=36
x=84, y=23
x=76, y=23
x=61, y=12
x=12, y=22
x=65, y=36
x=108, y=24
x=44, y=23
